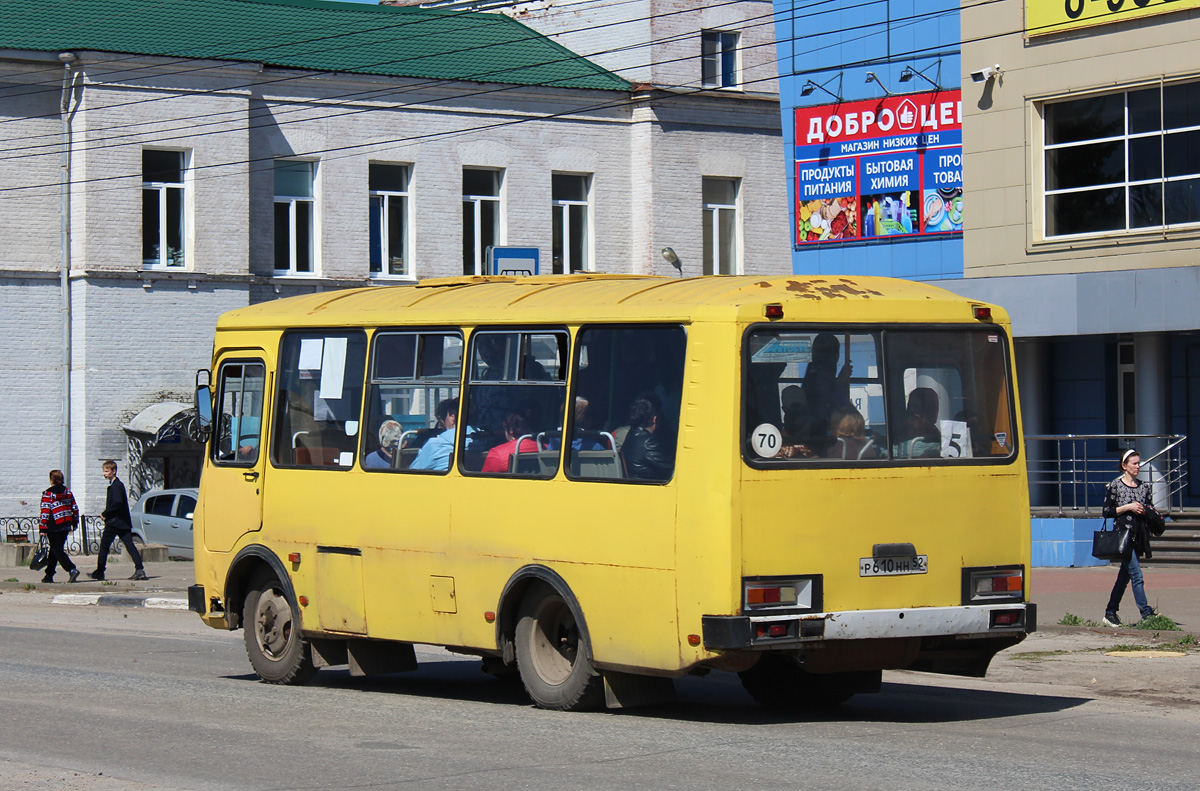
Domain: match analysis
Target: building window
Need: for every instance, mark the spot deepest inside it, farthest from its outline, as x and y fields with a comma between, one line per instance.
x=389, y=220
x=571, y=240
x=481, y=218
x=163, y=216
x=720, y=227
x=1123, y=161
x=718, y=61
x=1126, y=391
x=294, y=209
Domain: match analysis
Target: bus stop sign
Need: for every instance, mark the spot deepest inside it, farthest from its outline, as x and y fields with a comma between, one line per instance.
x=520, y=261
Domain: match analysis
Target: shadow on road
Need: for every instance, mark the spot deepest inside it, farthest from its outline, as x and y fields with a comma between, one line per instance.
x=717, y=698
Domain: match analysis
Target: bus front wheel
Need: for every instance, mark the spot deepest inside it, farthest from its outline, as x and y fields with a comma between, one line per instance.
x=553, y=654
x=277, y=650
x=778, y=681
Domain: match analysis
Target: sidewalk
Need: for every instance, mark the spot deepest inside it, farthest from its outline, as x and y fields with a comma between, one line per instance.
x=1058, y=591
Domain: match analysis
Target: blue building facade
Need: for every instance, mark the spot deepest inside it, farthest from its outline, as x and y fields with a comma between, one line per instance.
x=833, y=55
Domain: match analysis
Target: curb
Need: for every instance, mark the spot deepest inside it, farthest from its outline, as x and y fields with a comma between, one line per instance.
x=114, y=600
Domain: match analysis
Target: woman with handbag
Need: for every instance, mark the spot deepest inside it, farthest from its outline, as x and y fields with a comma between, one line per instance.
x=1127, y=503
x=60, y=514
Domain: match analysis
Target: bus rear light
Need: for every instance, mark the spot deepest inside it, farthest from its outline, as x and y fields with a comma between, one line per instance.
x=773, y=311
x=774, y=629
x=993, y=584
x=1006, y=618
x=773, y=595
x=982, y=313
x=801, y=593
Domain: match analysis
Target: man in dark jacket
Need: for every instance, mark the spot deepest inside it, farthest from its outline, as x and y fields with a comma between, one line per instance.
x=647, y=455
x=117, y=524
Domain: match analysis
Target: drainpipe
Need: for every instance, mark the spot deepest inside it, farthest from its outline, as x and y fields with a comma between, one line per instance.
x=64, y=222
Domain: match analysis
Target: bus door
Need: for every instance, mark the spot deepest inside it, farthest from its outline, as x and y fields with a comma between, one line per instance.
x=232, y=502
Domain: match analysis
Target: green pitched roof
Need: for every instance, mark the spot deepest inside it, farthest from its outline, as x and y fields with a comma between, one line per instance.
x=308, y=34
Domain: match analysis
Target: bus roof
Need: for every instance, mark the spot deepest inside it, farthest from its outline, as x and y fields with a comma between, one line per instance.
x=607, y=297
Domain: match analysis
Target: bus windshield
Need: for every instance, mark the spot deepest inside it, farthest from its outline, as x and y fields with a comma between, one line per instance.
x=877, y=395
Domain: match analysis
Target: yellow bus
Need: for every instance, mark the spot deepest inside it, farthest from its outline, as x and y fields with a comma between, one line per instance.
x=603, y=482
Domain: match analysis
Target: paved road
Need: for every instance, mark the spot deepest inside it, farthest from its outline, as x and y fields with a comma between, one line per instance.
x=110, y=699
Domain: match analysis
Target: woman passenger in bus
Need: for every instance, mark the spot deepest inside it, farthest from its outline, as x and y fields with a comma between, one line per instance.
x=923, y=439
x=516, y=424
x=389, y=440
x=850, y=436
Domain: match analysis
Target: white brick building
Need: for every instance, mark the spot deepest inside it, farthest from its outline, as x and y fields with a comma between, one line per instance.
x=184, y=158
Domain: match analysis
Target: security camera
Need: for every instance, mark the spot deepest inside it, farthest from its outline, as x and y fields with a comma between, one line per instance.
x=986, y=73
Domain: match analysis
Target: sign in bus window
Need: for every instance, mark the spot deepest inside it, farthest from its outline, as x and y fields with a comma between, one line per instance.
x=514, y=405
x=819, y=395
x=319, y=397
x=625, y=412
x=413, y=401
x=242, y=386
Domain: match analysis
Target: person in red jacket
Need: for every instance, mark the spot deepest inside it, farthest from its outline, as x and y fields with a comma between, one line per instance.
x=60, y=514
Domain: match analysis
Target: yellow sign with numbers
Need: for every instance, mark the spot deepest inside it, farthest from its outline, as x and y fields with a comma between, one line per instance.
x=1053, y=16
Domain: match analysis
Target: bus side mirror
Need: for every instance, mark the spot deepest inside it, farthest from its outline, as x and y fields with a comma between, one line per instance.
x=204, y=406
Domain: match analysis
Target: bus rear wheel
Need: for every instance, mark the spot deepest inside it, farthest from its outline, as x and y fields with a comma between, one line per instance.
x=277, y=650
x=553, y=655
x=777, y=681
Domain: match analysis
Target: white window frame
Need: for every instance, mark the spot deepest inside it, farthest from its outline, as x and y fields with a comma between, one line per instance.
x=475, y=201
x=1126, y=184
x=292, y=201
x=726, y=42
x=565, y=219
x=387, y=196
x=162, y=188
x=714, y=239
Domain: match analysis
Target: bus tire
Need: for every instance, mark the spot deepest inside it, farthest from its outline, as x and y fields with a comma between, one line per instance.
x=553, y=655
x=277, y=650
x=777, y=681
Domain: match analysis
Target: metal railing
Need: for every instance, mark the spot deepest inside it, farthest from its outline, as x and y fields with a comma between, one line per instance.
x=84, y=539
x=1069, y=472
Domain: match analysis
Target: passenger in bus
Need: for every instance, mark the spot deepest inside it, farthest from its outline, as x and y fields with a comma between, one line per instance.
x=648, y=454
x=435, y=454
x=389, y=441
x=922, y=437
x=850, y=436
x=825, y=389
x=516, y=424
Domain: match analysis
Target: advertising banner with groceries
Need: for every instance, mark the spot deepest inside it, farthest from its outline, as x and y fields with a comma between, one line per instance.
x=879, y=168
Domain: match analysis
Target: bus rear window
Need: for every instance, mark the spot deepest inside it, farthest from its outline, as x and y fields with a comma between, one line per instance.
x=876, y=395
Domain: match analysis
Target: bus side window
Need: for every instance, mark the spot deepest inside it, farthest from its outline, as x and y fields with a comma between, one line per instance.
x=514, y=407
x=319, y=398
x=628, y=390
x=413, y=401
x=239, y=414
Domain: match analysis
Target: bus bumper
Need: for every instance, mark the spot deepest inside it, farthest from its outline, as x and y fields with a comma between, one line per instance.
x=731, y=632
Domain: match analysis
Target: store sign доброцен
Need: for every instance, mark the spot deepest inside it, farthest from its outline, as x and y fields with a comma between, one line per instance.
x=881, y=167
x=1054, y=16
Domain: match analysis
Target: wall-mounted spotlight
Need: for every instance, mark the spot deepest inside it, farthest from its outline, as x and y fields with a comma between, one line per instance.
x=909, y=72
x=986, y=73
x=871, y=77
x=811, y=86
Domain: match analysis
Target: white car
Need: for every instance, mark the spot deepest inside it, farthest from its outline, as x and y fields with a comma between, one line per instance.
x=165, y=517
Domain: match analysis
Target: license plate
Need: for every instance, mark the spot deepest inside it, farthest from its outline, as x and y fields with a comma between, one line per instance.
x=886, y=567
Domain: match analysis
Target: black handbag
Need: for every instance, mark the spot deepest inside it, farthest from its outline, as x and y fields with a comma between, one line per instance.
x=1154, y=521
x=1111, y=544
x=40, y=557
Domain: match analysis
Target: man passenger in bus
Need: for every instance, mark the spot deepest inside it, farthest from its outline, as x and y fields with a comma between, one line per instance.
x=389, y=440
x=516, y=425
x=850, y=436
x=435, y=454
x=647, y=455
x=825, y=388
x=923, y=439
